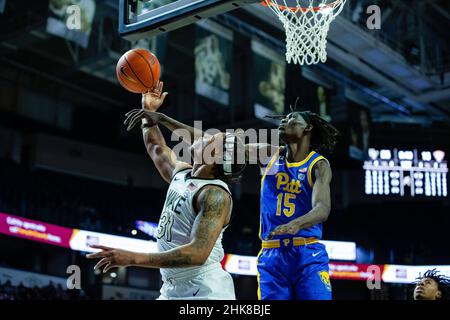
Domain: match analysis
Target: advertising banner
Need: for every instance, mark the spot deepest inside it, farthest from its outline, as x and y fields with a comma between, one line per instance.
x=82, y=239
x=74, y=239
x=35, y=230
x=408, y=274
x=354, y=271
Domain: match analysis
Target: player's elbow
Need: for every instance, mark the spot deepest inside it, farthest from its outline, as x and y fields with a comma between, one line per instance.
x=202, y=259
x=326, y=212
x=198, y=253
x=199, y=258
x=155, y=151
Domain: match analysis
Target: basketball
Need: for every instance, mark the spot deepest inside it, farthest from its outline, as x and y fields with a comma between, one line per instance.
x=138, y=70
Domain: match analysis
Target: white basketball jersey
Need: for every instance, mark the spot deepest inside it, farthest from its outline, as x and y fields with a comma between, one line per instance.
x=177, y=219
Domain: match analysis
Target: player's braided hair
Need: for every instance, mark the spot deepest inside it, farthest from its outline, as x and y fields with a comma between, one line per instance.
x=324, y=135
x=442, y=281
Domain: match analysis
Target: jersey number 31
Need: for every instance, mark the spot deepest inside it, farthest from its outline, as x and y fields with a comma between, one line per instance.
x=165, y=226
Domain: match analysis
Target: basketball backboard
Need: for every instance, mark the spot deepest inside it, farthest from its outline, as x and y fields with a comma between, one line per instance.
x=147, y=18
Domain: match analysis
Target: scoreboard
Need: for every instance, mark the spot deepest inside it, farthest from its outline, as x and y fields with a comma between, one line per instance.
x=406, y=173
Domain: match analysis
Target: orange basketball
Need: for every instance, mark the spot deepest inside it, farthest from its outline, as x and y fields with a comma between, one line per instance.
x=138, y=70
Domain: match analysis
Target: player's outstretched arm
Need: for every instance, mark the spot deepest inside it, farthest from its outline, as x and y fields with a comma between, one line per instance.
x=213, y=204
x=321, y=202
x=259, y=153
x=256, y=153
x=163, y=157
x=187, y=133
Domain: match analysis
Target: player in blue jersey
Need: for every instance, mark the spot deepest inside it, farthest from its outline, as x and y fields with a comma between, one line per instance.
x=295, y=200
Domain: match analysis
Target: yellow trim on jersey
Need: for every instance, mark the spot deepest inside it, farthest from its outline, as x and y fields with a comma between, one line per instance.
x=311, y=166
x=260, y=226
x=257, y=275
x=297, y=241
x=298, y=164
x=269, y=165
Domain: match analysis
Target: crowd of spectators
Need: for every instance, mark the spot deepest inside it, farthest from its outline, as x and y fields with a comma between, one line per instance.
x=49, y=292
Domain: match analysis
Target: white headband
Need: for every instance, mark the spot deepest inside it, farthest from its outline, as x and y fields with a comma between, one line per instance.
x=228, y=155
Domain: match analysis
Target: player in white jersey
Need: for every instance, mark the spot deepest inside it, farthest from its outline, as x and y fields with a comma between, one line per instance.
x=196, y=212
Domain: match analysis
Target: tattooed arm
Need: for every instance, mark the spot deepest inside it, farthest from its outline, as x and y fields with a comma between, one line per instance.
x=213, y=207
x=163, y=157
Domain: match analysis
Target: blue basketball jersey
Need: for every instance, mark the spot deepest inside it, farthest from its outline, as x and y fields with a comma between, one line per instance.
x=286, y=193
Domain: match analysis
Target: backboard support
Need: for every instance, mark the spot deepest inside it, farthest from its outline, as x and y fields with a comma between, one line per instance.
x=147, y=18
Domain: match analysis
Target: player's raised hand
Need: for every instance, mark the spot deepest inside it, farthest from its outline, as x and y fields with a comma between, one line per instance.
x=154, y=98
x=112, y=258
x=290, y=228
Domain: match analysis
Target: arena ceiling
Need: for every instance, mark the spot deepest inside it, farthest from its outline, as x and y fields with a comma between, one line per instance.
x=405, y=63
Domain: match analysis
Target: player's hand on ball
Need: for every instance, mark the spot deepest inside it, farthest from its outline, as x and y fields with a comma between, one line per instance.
x=134, y=117
x=111, y=258
x=153, y=99
x=290, y=228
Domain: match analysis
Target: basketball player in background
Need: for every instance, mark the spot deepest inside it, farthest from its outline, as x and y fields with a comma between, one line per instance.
x=196, y=212
x=432, y=286
x=295, y=201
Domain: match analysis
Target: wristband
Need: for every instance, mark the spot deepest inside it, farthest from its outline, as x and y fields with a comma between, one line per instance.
x=145, y=124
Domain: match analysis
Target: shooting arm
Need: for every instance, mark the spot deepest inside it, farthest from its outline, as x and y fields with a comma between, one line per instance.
x=187, y=133
x=163, y=157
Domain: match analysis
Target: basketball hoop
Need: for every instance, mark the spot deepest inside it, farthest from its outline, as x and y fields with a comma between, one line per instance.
x=306, y=23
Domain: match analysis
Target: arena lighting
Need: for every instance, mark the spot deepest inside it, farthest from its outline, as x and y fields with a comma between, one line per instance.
x=80, y=240
x=407, y=173
x=426, y=156
x=149, y=228
x=246, y=265
x=385, y=154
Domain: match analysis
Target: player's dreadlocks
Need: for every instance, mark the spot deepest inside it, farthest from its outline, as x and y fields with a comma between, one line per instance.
x=442, y=281
x=324, y=135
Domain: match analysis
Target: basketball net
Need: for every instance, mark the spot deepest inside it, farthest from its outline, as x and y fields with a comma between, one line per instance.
x=306, y=28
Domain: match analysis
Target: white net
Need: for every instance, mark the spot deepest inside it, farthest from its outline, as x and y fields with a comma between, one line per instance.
x=306, y=23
